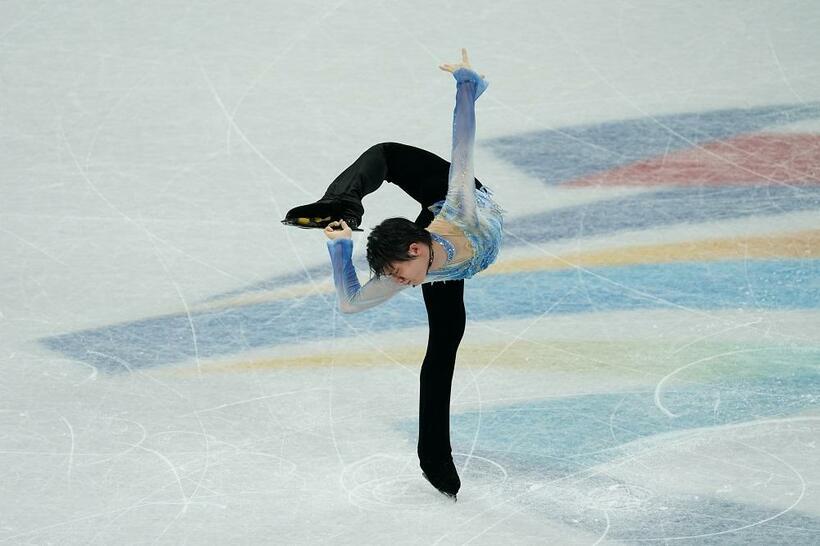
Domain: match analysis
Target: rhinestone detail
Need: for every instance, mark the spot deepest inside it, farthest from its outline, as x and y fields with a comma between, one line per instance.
x=448, y=246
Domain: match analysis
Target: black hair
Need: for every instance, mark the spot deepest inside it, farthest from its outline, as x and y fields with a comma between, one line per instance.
x=390, y=240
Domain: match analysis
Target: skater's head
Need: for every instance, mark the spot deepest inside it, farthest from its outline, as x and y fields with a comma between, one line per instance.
x=401, y=249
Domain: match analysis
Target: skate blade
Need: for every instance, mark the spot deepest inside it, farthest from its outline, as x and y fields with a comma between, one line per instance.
x=307, y=223
x=310, y=223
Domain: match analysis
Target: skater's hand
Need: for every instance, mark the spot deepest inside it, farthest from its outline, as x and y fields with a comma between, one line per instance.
x=465, y=63
x=338, y=230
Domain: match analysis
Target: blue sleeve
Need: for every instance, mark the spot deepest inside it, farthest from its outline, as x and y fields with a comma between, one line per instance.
x=352, y=296
x=461, y=184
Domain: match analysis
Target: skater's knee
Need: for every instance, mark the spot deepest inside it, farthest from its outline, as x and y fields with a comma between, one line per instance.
x=425, y=218
x=434, y=369
x=447, y=325
x=380, y=147
x=445, y=346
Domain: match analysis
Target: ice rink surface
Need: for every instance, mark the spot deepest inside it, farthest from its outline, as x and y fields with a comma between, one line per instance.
x=641, y=365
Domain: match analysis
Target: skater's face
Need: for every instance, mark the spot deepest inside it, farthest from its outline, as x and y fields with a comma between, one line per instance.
x=412, y=272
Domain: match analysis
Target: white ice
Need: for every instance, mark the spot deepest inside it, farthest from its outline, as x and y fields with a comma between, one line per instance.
x=173, y=369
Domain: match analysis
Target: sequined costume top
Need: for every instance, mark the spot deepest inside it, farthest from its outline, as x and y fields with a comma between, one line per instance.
x=471, y=211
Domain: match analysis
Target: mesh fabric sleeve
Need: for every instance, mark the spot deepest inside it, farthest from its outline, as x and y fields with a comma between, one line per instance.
x=352, y=296
x=461, y=184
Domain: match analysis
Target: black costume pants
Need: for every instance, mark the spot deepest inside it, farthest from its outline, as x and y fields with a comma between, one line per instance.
x=424, y=177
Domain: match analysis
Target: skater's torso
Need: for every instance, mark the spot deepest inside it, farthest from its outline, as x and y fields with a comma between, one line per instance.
x=464, y=250
x=476, y=240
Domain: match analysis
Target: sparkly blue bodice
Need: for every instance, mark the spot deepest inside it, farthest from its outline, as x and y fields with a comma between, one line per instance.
x=485, y=236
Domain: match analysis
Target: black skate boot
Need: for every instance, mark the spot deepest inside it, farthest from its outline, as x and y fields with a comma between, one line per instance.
x=443, y=476
x=319, y=214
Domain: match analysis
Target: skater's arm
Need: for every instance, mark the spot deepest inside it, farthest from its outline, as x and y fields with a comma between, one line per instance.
x=461, y=185
x=352, y=296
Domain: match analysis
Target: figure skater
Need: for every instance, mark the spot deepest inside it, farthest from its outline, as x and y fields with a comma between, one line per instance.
x=456, y=235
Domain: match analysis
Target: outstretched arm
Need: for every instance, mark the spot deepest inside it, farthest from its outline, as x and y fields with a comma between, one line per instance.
x=353, y=297
x=461, y=184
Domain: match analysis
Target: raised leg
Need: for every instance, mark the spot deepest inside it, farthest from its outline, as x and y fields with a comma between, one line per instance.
x=421, y=174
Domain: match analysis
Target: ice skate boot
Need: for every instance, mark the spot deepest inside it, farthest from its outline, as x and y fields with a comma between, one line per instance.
x=319, y=214
x=443, y=476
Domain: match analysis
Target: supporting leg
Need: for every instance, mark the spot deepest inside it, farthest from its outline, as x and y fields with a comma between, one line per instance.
x=446, y=317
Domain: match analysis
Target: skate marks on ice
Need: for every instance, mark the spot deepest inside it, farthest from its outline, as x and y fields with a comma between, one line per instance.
x=708, y=486
x=383, y=481
x=730, y=467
